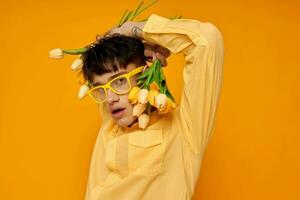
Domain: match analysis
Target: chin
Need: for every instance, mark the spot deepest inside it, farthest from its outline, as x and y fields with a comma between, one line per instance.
x=125, y=121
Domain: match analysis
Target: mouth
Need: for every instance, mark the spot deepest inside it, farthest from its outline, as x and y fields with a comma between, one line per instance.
x=118, y=113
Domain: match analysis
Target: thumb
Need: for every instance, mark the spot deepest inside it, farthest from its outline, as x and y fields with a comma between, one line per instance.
x=154, y=57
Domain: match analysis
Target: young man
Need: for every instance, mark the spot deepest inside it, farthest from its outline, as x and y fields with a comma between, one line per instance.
x=162, y=161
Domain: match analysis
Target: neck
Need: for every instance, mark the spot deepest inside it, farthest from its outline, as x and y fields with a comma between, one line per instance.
x=136, y=120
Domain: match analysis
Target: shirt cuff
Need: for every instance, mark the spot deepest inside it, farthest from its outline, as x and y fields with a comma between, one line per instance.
x=158, y=24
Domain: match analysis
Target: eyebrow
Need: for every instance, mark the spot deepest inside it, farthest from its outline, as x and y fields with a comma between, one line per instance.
x=110, y=78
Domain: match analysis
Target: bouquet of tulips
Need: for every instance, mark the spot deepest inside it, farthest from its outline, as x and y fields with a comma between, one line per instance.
x=76, y=66
x=151, y=91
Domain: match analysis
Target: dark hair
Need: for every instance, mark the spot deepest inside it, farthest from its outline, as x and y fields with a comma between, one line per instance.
x=111, y=53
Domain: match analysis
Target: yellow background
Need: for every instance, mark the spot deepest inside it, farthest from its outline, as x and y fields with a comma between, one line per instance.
x=47, y=134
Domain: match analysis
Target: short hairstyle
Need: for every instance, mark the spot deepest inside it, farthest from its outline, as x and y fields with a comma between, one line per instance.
x=111, y=53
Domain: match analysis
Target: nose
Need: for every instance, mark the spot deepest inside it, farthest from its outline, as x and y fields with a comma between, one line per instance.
x=111, y=96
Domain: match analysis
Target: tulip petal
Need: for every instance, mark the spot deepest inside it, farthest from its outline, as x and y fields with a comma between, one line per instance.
x=143, y=96
x=154, y=86
x=77, y=64
x=160, y=101
x=143, y=120
x=133, y=95
x=151, y=97
x=83, y=91
x=138, y=109
x=56, y=53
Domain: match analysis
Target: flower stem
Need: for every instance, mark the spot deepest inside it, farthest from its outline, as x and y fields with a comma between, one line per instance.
x=75, y=51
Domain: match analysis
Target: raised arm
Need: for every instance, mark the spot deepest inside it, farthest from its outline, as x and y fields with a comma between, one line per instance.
x=202, y=45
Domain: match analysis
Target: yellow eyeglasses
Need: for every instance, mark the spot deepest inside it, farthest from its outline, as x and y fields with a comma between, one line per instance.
x=119, y=85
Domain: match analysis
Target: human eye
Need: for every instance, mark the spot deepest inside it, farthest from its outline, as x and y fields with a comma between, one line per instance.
x=98, y=90
x=101, y=90
x=121, y=81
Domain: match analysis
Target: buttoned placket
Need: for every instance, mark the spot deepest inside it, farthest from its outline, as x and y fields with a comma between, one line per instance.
x=117, y=153
x=117, y=147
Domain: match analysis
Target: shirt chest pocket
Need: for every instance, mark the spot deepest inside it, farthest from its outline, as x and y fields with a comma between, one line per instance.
x=145, y=152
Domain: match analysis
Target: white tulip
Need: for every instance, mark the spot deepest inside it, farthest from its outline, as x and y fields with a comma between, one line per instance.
x=143, y=120
x=56, y=53
x=77, y=64
x=160, y=100
x=138, y=109
x=83, y=91
x=143, y=96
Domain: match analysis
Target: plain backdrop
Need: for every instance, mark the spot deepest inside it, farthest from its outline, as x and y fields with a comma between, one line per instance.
x=47, y=134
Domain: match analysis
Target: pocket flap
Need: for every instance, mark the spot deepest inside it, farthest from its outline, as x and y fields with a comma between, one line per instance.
x=145, y=138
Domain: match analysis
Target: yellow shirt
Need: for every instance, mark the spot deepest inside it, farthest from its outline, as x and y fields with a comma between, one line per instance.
x=163, y=161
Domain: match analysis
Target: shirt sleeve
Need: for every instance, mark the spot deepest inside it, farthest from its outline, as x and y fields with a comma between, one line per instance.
x=202, y=46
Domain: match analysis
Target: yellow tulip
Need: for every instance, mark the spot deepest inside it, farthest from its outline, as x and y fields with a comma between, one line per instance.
x=143, y=120
x=133, y=95
x=170, y=105
x=56, y=53
x=154, y=86
x=151, y=96
x=138, y=109
x=143, y=96
x=173, y=104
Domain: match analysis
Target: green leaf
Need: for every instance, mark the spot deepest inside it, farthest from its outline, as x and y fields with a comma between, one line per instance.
x=149, y=78
x=140, y=82
x=144, y=74
x=132, y=14
x=164, y=89
x=156, y=74
x=128, y=16
x=168, y=93
x=141, y=10
x=142, y=20
x=161, y=74
x=137, y=9
x=176, y=17
x=123, y=16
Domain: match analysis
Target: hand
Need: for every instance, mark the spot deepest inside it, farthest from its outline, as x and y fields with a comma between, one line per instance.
x=153, y=52
x=127, y=29
x=131, y=29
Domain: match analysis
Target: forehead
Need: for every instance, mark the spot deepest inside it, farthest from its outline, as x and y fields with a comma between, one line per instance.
x=105, y=77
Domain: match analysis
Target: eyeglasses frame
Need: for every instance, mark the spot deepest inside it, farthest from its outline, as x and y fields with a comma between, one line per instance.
x=107, y=85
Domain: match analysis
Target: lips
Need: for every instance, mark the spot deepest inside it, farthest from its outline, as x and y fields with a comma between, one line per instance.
x=117, y=112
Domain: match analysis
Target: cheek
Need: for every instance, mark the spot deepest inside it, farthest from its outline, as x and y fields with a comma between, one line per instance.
x=126, y=103
x=133, y=81
x=129, y=109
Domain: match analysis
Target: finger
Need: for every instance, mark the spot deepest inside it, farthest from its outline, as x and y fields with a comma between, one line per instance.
x=148, y=52
x=148, y=44
x=154, y=56
x=162, y=59
x=154, y=52
x=166, y=52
